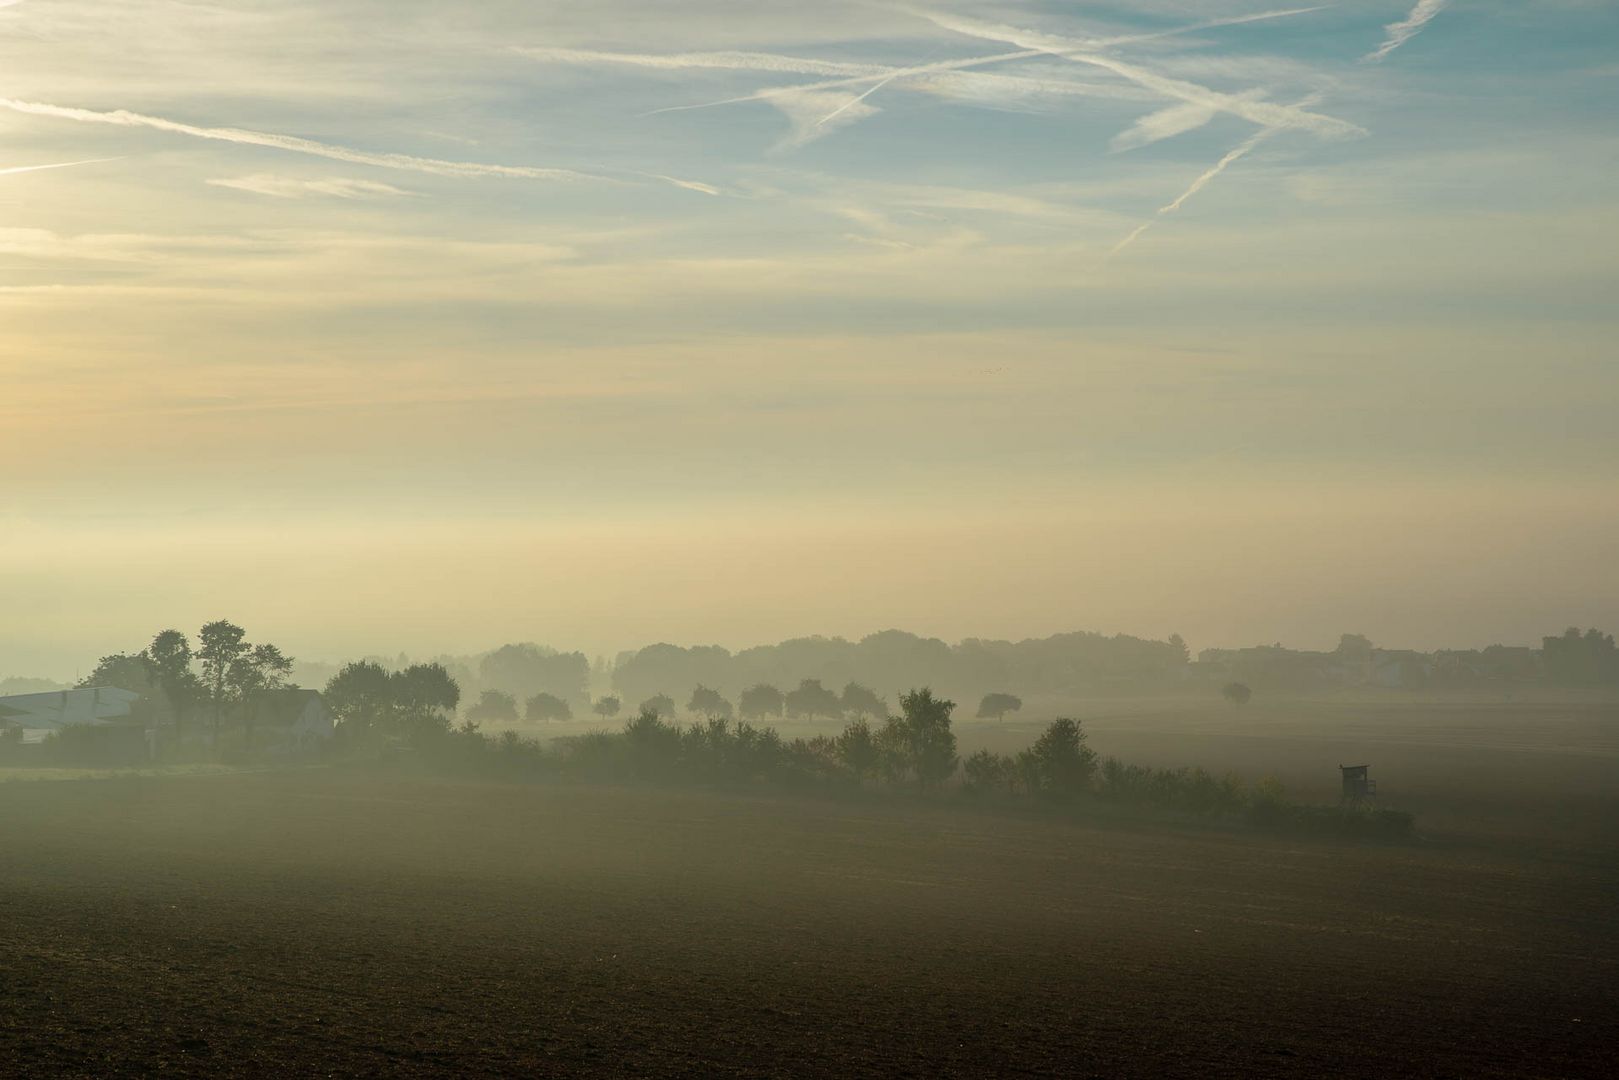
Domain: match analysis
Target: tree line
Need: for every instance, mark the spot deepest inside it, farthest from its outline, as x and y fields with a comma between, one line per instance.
x=222, y=674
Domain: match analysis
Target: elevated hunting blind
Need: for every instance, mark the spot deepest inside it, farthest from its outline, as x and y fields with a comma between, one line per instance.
x=1358, y=786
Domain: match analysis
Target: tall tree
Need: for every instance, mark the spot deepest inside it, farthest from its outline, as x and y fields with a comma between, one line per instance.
x=170, y=657
x=257, y=672
x=932, y=745
x=607, y=707
x=222, y=643
x=423, y=697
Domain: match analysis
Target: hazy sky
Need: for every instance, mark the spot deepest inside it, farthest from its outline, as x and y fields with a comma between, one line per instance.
x=387, y=324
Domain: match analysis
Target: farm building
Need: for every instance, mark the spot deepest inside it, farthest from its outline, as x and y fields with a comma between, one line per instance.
x=40, y=714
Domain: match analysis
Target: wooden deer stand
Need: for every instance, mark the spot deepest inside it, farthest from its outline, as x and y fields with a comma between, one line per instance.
x=1359, y=789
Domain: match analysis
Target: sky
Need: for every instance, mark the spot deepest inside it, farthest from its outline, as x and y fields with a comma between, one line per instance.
x=387, y=325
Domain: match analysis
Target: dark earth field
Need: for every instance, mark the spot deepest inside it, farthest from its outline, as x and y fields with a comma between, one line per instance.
x=342, y=922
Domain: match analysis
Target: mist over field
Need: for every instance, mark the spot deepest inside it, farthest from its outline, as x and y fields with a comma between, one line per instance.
x=748, y=538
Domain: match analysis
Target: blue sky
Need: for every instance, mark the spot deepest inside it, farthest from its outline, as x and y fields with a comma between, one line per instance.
x=431, y=276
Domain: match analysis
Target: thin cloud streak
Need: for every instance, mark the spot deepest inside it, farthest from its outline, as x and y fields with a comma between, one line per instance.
x=1403, y=31
x=55, y=164
x=293, y=144
x=1198, y=185
x=767, y=61
x=1267, y=114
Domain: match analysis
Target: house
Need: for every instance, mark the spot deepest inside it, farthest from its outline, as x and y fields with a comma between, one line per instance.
x=292, y=721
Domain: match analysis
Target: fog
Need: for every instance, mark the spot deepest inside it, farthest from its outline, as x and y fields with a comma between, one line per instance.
x=742, y=538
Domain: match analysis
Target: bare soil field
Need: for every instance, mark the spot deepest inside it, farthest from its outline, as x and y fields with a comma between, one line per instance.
x=339, y=922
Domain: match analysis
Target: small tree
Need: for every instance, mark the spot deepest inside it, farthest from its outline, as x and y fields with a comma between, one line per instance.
x=1237, y=693
x=811, y=699
x=761, y=702
x=1062, y=762
x=659, y=705
x=547, y=708
x=607, y=707
x=857, y=749
x=987, y=770
x=709, y=703
x=996, y=706
x=494, y=706
x=862, y=701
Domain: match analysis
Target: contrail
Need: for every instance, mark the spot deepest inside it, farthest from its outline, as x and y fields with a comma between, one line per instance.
x=434, y=166
x=1403, y=31
x=947, y=66
x=56, y=164
x=855, y=101
x=707, y=61
x=1203, y=181
x=294, y=144
x=1264, y=113
x=1197, y=185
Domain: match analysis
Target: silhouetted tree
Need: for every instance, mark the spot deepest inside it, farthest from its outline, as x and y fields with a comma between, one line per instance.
x=123, y=671
x=360, y=696
x=661, y=705
x=998, y=705
x=1061, y=761
x=811, y=700
x=424, y=698
x=607, y=707
x=930, y=743
x=547, y=708
x=761, y=701
x=494, y=706
x=862, y=701
x=170, y=657
x=1577, y=659
x=221, y=644
x=526, y=669
x=1237, y=693
x=857, y=749
x=709, y=703
x=987, y=770
x=1354, y=648
x=258, y=671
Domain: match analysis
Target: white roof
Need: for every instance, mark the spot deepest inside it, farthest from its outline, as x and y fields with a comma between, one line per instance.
x=58, y=708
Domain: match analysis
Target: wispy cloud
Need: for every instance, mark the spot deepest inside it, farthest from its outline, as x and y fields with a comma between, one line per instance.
x=292, y=187
x=55, y=164
x=956, y=79
x=774, y=63
x=1198, y=185
x=815, y=113
x=293, y=144
x=1247, y=106
x=1407, y=28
